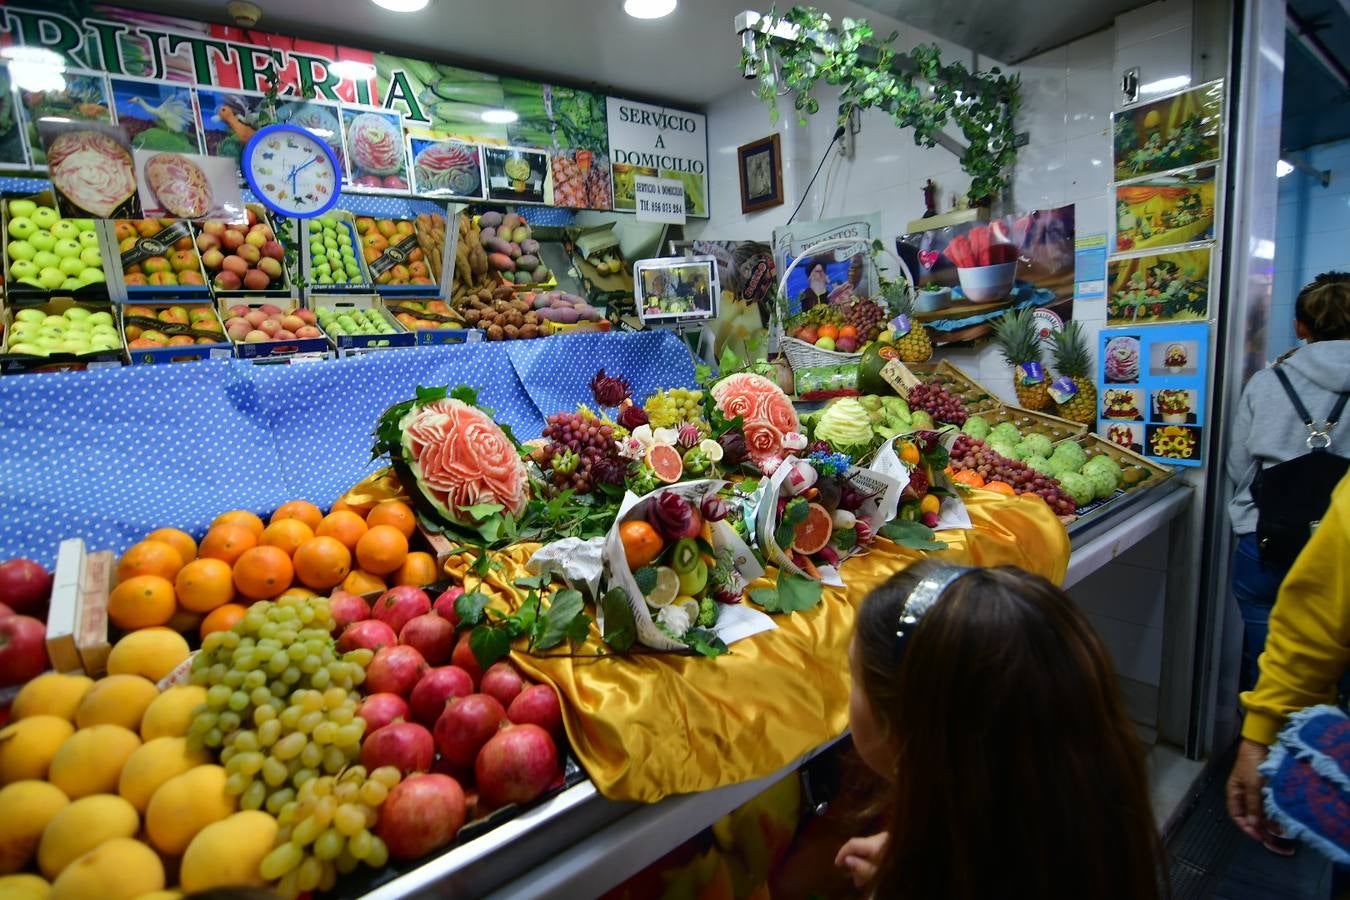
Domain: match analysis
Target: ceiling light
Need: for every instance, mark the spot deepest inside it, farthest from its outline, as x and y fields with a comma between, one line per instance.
x=648, y=9
x=499, y=116
x=36, y=55
x=401, y=6
x=351, y=70
x=1283, y=168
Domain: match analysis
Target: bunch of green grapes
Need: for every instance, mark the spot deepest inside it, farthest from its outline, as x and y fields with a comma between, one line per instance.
x=668, y=408
x=326, y=830
x=280, y=701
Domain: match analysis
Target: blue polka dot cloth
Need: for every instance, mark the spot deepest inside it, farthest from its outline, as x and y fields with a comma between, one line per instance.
x=108, y=455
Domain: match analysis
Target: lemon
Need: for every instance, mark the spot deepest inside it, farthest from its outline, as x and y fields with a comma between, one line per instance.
x=52, y=694
x=666, y=589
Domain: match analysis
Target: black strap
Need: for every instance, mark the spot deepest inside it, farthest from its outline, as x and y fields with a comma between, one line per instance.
x=1303, y=410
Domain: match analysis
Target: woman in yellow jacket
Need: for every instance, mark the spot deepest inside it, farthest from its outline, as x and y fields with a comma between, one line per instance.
x=1306, y=654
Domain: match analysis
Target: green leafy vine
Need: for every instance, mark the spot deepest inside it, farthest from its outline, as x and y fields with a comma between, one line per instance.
x=924, y=96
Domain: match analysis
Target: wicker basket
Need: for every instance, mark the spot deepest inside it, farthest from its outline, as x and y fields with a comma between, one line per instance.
x=800, y=354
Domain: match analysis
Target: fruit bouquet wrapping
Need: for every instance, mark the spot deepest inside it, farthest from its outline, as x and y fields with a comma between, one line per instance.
x=818, y=510
x=681, y=566
x=918, y=463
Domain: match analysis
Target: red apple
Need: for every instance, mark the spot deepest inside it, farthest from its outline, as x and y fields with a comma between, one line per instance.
x=271, y=266
x=239, y=332
x=307, y=315
x=207, y=242
x=239, y=309
x=273, y=250
x=255, y=280
x=231, y=240
x=284, y=335
x=308, y=331
x=271, y=310
x=234, y=264
x=292, y=322
x=23, y=649
x=257, y=337
x=248, y=253
x=271, y=326
x=24, y=585
x=213, y=227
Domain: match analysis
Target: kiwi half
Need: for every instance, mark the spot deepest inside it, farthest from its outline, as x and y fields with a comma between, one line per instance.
x=684, y=556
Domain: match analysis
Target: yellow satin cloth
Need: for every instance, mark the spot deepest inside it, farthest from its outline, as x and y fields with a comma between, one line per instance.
x=647, y=725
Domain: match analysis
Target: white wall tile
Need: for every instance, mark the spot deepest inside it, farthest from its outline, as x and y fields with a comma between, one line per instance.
x=1087, y=166
x=1153, y=20
x=1160, y=59
x=1090, y=85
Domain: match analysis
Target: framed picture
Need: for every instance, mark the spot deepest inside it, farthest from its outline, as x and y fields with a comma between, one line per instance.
x=1156, y=288
x=1165, y=210
x=761, y=167
x=673, y=290
x=1181, y=129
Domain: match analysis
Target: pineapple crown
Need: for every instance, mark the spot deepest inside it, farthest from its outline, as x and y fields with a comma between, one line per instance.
x=1070, y=353
x=1017, y=336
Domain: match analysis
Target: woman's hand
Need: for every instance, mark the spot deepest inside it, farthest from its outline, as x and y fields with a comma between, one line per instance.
x=1245, y=804
x=860, y=856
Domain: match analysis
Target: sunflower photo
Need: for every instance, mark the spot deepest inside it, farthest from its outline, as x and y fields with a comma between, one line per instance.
x=1180, y=130
x=1165, y=210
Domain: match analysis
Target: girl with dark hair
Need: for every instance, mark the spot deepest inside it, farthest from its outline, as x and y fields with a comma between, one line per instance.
x=989, y=704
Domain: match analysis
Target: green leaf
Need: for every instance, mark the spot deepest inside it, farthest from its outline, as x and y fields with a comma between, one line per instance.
x=913, y=535
x=702, y=373
x=555, y=625
x=766, y=597
x=844, y=539
x=489, y=644
x=532, y=583
x=463, y=393
x=620, y=627
x=580, y=628
x=469, y=607
x=483, y=510
x=491, y=529
x=796, y=593
x=705, y=642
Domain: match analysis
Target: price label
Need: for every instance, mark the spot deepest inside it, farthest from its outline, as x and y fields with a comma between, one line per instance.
x=659, y=199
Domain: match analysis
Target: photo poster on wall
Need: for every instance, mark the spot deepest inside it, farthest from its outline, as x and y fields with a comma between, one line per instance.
x=970, y=274
x=83, y=97
x=657, y=142
x=188, y=186
x=1178, y=130
x=324, y=120
x=1151, y=385
x=748, y=279
x=376, y=157
x=157, y=115
x=516, y=174
x=1168, y=210
x=227, y=121
x=446, y=168
x=1155, y=288
x=91, y=169
x=835, y=273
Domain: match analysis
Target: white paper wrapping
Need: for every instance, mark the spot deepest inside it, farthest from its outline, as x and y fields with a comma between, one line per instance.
x=952, y=513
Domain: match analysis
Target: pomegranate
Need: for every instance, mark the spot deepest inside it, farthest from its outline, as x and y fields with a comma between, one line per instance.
x=518, y=764
x=6, y=612
x=23, y=649
x=445, y=605
x=466, y=725
x=395, y=670
x=422, y=813
x=406, y=745
x=24, y=585
x=434, y=690
x=464, y=658
x=372, y=634
x=380, y=709
x=348, y=608
x=502, y=681
x=433, y=637
x=398, y=605
x=537, y=705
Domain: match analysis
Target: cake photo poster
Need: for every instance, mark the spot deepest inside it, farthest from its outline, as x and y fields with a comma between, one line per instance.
x=1151, y=385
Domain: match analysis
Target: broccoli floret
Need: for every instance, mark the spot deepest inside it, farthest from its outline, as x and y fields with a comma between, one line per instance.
x=707, y=613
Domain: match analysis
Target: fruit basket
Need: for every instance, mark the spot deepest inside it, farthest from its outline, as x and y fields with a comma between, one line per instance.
x=47, y=255
x=361, y=322
x=244, y=260
x=975, y=397
x=159, y=260
x=1030, y=422
x=165, y=331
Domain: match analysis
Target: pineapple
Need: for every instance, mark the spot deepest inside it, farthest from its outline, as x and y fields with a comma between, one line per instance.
x=1020, y=341
x=916, y=346
x=1072, y=360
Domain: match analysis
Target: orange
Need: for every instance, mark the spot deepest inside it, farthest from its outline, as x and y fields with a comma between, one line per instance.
x=827, y=330
x=204, y=584
x=227, y=542
x=141, y=601
x=240, y=517
x=969, y=477
x=344, y=525
x=322, y=562
x=262, y=573
x=359, y=582
x=222, y=618
x=288, y=534
x=179, y=540
x=930, y=503
x=1000, y=487
x=418, y=569
x=149, y=558
x=396, y=513
x=848, y=331
x=381, y=550
x=641, y=543
x=909, y=453
x=298, y=509
x=341, y=505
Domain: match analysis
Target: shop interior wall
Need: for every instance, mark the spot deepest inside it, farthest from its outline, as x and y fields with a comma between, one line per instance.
x=1068, y=96
x=1312, y=234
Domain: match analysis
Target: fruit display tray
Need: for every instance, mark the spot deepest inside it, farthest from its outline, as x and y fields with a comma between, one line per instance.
x=286, y=288
x=160, y=246
x=1153, y=473
x=16, y=363
x=177, y=353
x=975, y=397
x=344, y=220
x=344, y=344
x=19, y=294
x=1032, y=422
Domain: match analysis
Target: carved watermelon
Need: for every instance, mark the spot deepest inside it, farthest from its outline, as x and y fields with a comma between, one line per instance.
x=375, y=145
x=452, y=168
x=92, y=170
x=179, y=185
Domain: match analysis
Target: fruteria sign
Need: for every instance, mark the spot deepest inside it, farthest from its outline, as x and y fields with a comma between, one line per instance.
x=176, y=84
x=658, y=142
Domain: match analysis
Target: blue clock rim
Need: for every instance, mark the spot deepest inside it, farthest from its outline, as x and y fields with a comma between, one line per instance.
x=247, y=156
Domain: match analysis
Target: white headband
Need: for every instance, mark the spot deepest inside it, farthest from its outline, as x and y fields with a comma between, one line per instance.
x=924, y=596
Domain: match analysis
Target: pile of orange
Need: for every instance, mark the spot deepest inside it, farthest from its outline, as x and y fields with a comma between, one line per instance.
x=170, y=579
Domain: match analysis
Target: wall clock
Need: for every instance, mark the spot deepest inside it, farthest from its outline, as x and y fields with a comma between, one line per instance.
x=292, y=171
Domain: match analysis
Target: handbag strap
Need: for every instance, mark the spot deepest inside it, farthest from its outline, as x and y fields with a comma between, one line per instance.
x=1319, y=438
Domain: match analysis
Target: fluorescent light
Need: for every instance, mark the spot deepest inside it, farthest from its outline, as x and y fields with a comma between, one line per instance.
x=351, y=70
x=499, y=116
x=401, y=6
x=1283, y=168
x=36, y=55
x=1163, y=85
x=36, y=77
x=648, y=9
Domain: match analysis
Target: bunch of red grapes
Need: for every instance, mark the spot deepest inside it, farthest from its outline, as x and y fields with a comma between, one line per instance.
x=868, y=317
x=597, y=456
x=969, y=453
x=938, y=402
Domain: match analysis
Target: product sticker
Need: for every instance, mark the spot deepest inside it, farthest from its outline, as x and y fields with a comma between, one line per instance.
x=1062, y=390
x=900, y=325
x=1030, y=373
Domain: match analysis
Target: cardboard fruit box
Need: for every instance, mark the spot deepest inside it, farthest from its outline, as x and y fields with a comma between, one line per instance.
x=330, y=310
x=159, y=260
x=395, y=258
x=433, y=322
x=248, y=260
x=48, y=256
x=167, y=332
x=35, y=347
x=77, y=618
x=321, y=241
x=257, y=312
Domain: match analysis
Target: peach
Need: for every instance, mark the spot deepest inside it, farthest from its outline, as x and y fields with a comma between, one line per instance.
x=292, y=323
x=239, y=330
x=249, y=253
x=212, y=258
x=183, y=243
x=256, y=280
x=200, y=312
x=164, y=279
x=237, y=320
x=206, y=325
x=418, y=270
x=401, y=274
x=226, y=280
x=182, y=260
x=181, y=340
x=376, y=240
x=271, y=266
x=274, y=250
x=124, y=230
x=208, y=340
x=133, y=331
x=283, y=335
x=255, y=337
x=158, y=337
x=213, y=227
x=255, y=238
x=191, y=276
x=273, y=312
x=173, y=315
x=256, y=317
x=207, y=242
x=387, y=227
x=238, y=310
x=141, y=344
x=156, y=264
x=404, y=227
x=308, y=331
x=234, y=264
x=231, y=240
x=305, y=315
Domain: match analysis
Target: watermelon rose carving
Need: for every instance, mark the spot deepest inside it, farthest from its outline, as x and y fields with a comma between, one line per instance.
x=460, y=458
x=767, y=413
x=375, y=145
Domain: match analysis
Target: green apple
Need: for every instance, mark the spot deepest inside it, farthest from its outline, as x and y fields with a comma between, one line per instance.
x=315, y=226
x=66, y=249
x=85, y=225
x=90, y=257
x=46, y=259
x=21, y=250
x=22, y=207
x=30, y=315
x=44, y=217
x=76, y=313
x=21, y=227
x=51, y=278
x=71, y=284
x=28, y=347
x=89, y=239
x=71, y=266
x=101, y=318
x=23, y=268
x=42, y=240
x=65, y=230
x=31, y=282
x=92, y=275
x=74, y=346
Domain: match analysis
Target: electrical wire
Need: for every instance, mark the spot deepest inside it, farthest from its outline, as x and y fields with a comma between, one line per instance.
x=839, y=132
x=830, y=172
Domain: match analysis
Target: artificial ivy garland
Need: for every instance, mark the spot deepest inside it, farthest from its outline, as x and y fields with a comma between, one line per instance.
x=923, y=99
